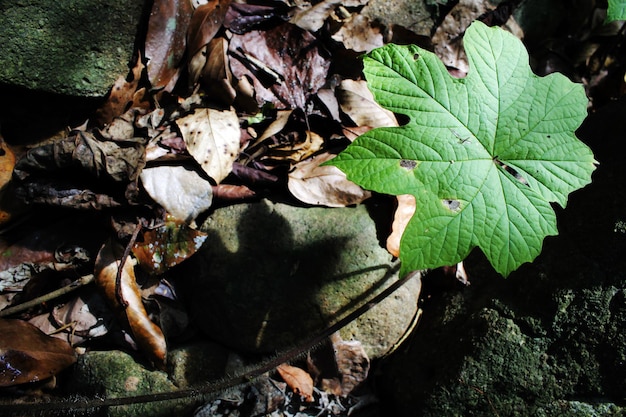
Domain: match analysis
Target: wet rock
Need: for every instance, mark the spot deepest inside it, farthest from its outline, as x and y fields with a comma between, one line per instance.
x=75, y=48
x=271, y=275
x=547, y=341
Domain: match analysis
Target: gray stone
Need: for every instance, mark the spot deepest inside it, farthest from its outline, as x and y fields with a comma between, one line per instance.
x=547, y=341
x=70, y=47
x=414, y=15
x=271, y=275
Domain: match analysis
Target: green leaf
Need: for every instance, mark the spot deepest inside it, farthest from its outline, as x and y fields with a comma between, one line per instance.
x=484, y=155
x=616, y=11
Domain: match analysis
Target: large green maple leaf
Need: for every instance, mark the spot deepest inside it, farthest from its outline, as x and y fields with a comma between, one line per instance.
x=484, y=155
x=616, y=10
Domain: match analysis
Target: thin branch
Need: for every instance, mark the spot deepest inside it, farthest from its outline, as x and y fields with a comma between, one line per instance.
x=81, y=282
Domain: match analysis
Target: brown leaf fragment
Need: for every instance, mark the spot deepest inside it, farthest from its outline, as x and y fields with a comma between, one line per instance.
x=353, y=364
x=29, y=355
x=147, y=334
x=121, y=97
x=404, y=212
x=324, y=185
x=298, y=380
x=284, y=64
x=165, y=40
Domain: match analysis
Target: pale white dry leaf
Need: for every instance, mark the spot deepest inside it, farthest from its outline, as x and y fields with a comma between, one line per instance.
x=180, y=191
x=324, y=185
x=212, y=138
x=404, y=212
x=357, y=101
x=313, y=18
x=358, y=34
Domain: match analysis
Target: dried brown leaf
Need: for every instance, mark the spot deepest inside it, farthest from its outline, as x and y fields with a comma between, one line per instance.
x=29, y=355
x=206, y=20
x=229, y=192
x=147, y=334
x=165, y=40
x=298, y=380
x=324, y=185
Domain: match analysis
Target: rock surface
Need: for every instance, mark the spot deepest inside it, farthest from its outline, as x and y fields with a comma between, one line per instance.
x=69, y=47
x=414, y=15
x=273, y=274
x=547, y=341
x=114, y=374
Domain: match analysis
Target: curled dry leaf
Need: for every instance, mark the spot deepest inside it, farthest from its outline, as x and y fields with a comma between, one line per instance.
x=166, y=246
x=180, y=191
x=165, y=40
x=112, y=160
x=404, y=212
x=324, y=185
x=212, y=138
x=357, y=101
x=28, y=355
x=147, y=334
x=297, y=148
x=298, y=380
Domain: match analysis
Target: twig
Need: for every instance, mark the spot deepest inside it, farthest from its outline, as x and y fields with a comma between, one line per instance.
x=201, y=392
x=82, y=281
